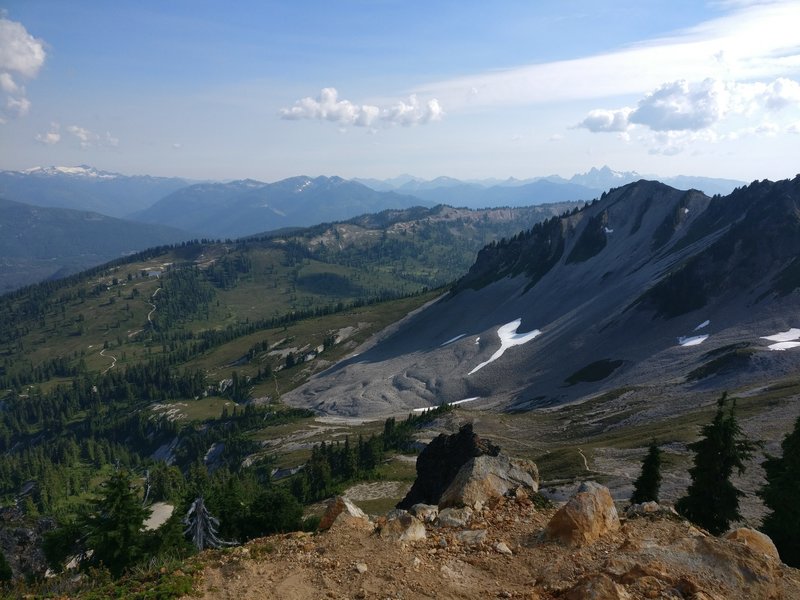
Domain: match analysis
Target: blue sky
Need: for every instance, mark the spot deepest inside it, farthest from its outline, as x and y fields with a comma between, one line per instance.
x=269, y=90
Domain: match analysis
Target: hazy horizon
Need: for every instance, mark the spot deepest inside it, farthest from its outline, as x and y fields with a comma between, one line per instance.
x=269, y=90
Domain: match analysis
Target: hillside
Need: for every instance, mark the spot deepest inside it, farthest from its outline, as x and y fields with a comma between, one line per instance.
x=38, y=243
x=166, y=333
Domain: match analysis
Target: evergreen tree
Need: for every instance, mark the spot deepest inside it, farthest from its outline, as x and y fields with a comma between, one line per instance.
x=712, y=501
x=5, y=569
x=114, y=526
x=274, y=510
x=645, y=488
x=780, y=495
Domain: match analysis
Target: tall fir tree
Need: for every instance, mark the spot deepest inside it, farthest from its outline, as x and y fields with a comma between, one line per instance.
x=712, y=501
x=645, y=488
x=114, y=525
x=781, y=495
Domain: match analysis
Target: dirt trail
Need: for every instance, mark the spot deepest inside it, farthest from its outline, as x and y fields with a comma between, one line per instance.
x=150, y=314
x=113, y=360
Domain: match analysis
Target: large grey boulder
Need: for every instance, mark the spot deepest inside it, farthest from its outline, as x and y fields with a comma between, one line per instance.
x=485, y=477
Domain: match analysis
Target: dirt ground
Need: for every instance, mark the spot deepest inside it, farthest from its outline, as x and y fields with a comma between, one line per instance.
x=648, y=557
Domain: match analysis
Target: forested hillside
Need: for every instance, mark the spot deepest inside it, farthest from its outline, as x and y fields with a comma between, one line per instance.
x=171, y=362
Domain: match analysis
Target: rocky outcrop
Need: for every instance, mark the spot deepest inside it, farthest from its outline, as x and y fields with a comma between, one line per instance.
x=755, y=540
x=485, y=477
x=586, y=517
x=341, y=511
x=499, y=553
x=401, y=526
x=440, y=461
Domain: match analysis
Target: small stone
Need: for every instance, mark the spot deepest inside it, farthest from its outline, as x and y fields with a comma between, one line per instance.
x=472, y=537
x=503, y=548
x=361, y=568
x=455, y=517
x=442, y=542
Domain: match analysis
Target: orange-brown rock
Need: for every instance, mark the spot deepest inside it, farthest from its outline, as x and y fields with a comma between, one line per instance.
x=586, y=517
x=597, y=587
x=755, y=540
x=341, y=511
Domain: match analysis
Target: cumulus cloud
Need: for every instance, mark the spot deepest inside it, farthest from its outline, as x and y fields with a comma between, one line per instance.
x=695, y=106
x=781, y=93
x=51, y=137
x=328, y=107
x=21, y=57
x=793, y=128
x=680, y=106
x=607, y=120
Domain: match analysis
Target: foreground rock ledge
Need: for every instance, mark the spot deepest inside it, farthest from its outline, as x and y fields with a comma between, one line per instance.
x=501, y=553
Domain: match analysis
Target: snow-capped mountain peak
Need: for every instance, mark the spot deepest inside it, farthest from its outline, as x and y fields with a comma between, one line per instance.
x=76, y=171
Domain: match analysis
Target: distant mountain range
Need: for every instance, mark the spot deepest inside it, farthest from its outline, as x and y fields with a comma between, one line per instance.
x=86, y=188
x=649, y=288
x=553, y=188
x=38, y=243
x=239, y=208
x=246, y=207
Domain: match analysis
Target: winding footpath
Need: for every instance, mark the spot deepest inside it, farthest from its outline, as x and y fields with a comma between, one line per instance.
x=150, y=314
x=113, y=360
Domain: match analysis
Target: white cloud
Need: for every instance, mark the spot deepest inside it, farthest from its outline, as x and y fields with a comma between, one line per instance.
x=413, y=112
x=697, y=106
x=793, y=128
x=8, y=85
x=782, y=93
x=751, y=42
x=680, y=106
x=51, y=137
x=21, y=56
x=328, y=107
x=607, y=120
x=20, y=52
x=89, y=139
x=18, y=107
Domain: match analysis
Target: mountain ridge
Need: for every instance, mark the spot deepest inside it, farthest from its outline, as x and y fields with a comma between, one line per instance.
x=643, y=258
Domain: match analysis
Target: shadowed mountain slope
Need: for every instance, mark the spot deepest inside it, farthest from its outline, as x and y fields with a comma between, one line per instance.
x=649, y=286
x=38, y=243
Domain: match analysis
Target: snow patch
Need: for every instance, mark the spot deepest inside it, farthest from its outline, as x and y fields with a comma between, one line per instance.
x=784, y=336
x=508, y=337
x=427, y=408
x=607, y=230
x=477, y=340
x=694, y=340
x=783, y=345
x=703, y=325
x=455, y=339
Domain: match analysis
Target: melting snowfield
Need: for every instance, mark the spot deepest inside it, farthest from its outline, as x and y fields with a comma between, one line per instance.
x=508, y=337
x=694, y=340
x=785, y=339
x=427, y=408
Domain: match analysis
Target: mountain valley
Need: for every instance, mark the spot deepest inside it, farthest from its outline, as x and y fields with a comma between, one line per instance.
x=581, y=332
